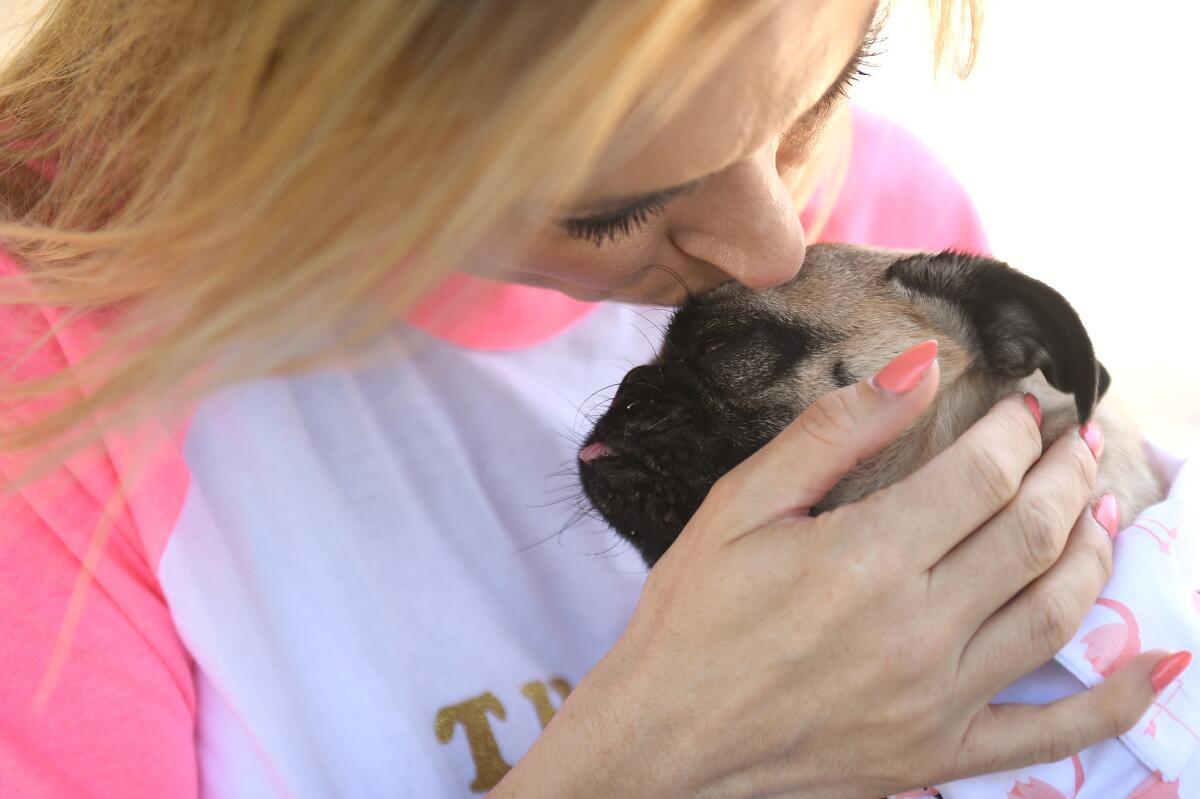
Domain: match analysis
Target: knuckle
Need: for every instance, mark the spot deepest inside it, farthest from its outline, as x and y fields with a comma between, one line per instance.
x=1055, y=619
x=829, y=420
x=1020, y=422
x=1015, y=424
x=1098, y=553
x=1059, y=743
x=1084, y=468
x=1041, y=533
x=993, y=476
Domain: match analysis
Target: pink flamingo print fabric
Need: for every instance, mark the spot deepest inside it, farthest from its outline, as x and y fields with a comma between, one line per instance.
x=1110, y=646
x=1152, y=601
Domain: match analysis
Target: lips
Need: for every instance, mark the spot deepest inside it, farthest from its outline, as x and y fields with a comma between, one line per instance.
x=595, y=451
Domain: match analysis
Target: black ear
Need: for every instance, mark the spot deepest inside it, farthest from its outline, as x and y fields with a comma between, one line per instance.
x=1019, y=324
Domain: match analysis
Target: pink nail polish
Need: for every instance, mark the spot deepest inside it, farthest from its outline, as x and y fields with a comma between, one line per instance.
x=1093, y=436
x=1035, y=408
x=1106, y=514
x=1168, y=669
x=906, y=369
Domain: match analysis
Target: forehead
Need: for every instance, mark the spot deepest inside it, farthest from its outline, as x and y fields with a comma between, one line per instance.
x=774, y=74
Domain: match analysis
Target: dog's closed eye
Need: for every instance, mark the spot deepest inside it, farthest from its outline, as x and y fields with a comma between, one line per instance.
x=842, y=376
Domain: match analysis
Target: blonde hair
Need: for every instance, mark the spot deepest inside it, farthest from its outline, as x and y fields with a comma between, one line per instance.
x=237, y=185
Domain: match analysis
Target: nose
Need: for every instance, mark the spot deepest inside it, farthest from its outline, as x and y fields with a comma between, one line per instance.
x=746, y=225
x=637, y=389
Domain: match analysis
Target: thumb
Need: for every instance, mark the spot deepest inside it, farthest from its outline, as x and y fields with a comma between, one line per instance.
x=826, y=442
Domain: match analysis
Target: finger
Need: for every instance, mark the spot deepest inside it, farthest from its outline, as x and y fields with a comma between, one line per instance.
x=966, y=484
x=1014, y=736
x=825, y=443
x=1027, y=537
x=1028, y=631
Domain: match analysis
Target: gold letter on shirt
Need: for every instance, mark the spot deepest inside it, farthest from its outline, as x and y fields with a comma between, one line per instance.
x=490, y=767
x=537, y=694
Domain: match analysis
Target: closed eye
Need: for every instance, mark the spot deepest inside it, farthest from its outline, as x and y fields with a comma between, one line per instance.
x=842, y=376
x=619, y=223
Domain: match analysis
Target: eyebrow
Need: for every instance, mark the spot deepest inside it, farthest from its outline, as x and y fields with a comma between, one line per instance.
x=619, y=206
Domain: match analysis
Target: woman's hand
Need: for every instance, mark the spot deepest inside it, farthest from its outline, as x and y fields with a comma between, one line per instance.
x=853, y=654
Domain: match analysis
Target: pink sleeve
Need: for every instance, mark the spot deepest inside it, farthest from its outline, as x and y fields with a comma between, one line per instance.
x=96, y=693
x=896, y=193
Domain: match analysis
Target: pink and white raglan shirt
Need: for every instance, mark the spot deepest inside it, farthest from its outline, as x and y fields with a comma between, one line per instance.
x=372, y=580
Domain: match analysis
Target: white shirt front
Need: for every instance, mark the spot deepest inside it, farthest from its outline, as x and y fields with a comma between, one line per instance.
x=381, y=571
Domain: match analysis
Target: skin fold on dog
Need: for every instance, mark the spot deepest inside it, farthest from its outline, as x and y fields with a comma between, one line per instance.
x=738, y=365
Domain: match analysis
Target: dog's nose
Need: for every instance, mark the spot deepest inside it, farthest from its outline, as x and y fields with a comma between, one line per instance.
x=640, y=387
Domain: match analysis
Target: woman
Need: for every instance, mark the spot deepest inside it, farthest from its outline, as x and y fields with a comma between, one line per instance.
x=329, y=577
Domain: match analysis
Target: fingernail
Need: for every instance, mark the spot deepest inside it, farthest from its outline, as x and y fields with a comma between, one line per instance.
x=1106, y=514
x=1168, y=669
x=906, y=369
x=1093, y=436
x=1035, y=408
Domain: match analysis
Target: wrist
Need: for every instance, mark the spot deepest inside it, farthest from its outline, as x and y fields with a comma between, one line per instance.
x=604, y=741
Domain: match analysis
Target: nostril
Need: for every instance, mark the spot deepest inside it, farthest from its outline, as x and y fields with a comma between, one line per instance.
x=637, y=387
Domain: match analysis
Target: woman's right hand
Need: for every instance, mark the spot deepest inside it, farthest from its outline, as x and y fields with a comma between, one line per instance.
x=852, y=654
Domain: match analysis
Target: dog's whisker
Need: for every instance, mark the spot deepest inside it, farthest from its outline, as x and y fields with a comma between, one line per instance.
x=687, y=292
x=659, y=326
x=579, y=408
x=649, y=343
x=644, y=384
x=574, y=520
x=657, y=424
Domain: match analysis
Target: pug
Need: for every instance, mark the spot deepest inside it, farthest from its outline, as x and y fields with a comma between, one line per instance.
x=738, y=365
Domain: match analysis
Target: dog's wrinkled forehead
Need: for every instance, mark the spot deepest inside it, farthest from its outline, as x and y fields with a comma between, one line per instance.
x=840, y=290
x=740, y=343
x=1008, y=323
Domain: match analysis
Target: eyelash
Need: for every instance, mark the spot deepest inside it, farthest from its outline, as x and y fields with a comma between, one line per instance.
x=862, y=64
x=608, y=227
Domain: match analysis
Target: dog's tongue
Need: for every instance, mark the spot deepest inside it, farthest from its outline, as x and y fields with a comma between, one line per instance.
x=594, y=451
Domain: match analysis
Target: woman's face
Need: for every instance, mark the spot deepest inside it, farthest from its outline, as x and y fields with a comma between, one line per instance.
x=710, y=196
